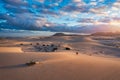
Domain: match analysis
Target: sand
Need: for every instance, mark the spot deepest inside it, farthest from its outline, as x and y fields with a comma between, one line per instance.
x=98, y=58
x=58, y=66
x=10, y=49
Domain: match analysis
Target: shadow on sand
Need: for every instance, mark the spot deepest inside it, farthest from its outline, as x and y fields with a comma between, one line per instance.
x=13, y=66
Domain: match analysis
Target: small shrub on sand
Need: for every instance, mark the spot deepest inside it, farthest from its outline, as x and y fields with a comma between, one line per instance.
x=43, y=44
x=67, y=48
x=37, y=43
x=21, y=43
x=32, y=63
x=54, y=49
x=76, y=53
x=30, y=43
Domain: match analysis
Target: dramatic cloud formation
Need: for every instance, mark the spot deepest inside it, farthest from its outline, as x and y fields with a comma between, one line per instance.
x=60, y=15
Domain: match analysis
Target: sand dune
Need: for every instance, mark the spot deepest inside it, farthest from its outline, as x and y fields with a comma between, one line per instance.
x=58, y=66
x=98, y=58
x=10, y=49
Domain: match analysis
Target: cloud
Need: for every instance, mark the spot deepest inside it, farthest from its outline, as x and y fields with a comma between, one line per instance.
x=16, y=2
x=87, y=20
x=57, y=15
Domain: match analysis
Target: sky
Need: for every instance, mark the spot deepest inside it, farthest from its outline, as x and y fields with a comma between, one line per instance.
x=60, y=15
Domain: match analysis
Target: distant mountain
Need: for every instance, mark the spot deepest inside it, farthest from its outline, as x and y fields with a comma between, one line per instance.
x=59, y=34
x=69, y=34
x=101, y=28
x=106, y=34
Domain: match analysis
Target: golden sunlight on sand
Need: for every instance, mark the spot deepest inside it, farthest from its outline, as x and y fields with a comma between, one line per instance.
x=88, y=57
x=11, y=49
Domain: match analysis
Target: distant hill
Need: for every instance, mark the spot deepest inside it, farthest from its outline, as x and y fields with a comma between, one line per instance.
x=67, y=34
x=97, y=28
x=59, y=34
x=106, y=34
x=70, y=34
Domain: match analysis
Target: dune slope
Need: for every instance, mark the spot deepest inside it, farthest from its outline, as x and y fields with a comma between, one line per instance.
x=58, y=66
x=11, y=49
